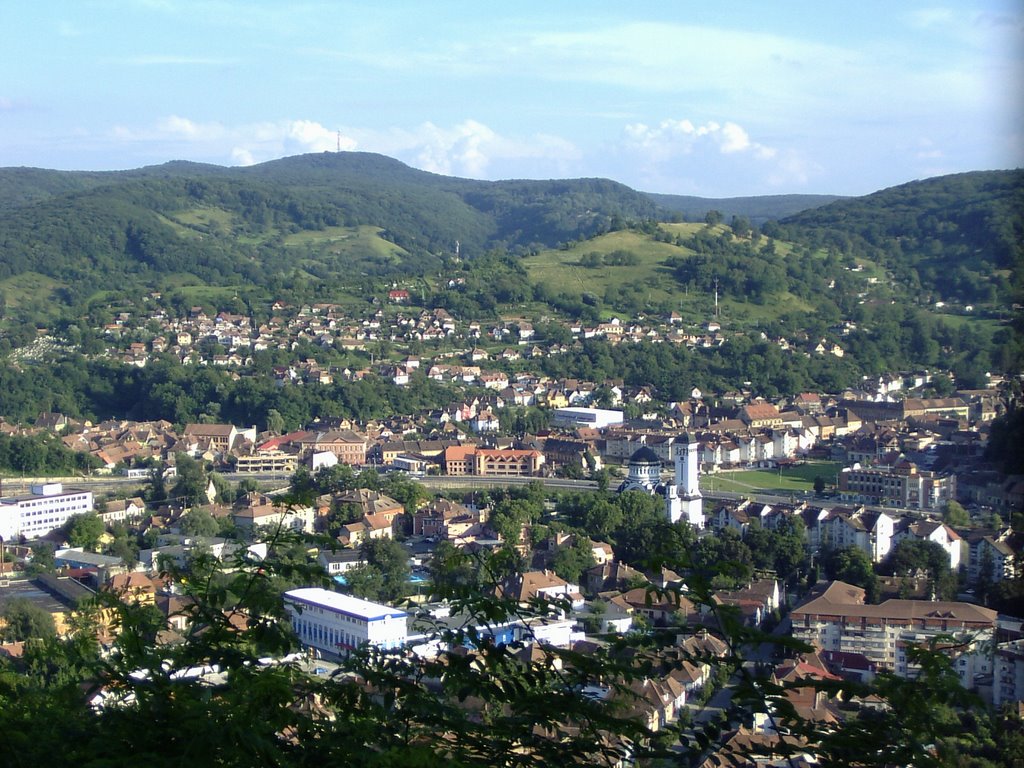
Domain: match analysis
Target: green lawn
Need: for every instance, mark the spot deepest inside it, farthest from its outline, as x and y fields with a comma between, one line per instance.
x=791, y=479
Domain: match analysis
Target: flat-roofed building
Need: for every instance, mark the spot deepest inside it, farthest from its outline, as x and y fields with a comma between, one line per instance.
x=597, y=418
x=336, y=624
x=273, y=460
x=45, y=509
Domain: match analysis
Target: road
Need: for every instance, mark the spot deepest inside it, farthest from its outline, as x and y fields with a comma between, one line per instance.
x=17, y=485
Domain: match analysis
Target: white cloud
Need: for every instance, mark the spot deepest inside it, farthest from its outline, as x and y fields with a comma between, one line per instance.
x=672, y=138
x=310, y=136
x=241, y=156
x=469, y=148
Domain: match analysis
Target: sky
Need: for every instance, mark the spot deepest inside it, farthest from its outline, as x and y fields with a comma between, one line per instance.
x=717, y=99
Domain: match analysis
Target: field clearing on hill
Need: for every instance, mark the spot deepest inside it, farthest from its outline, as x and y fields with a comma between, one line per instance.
x=28, y=287
x=362, y=242
x=203, y=218
x=561, y=270
x=796, y=479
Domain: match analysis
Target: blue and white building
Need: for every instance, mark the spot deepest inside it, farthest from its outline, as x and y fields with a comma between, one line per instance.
x=335, y=624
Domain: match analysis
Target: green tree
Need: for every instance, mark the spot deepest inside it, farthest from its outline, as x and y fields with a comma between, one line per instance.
x=852, y=565
x=570, y=562
x=43, y=560
x=954, y=515
x=191, y=483
x=389, y=558
x=84, y=530
x=24, y=620
x=198, y=522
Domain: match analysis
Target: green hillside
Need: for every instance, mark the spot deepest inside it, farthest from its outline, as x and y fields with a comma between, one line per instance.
x=958, y=237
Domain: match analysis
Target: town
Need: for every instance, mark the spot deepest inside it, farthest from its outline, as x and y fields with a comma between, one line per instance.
x=862, y=523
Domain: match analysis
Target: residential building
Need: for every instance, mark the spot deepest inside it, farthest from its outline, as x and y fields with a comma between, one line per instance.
x=121, y=510
x=902, y=485
x=221, y=438
x=845, y=527
x=838, y=619
x=274, y=460
x=1008, y=680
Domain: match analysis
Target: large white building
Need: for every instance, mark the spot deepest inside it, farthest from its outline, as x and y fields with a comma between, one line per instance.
x=1008, y=683
x=596, y=418
x=335, y=624
x=45, y=509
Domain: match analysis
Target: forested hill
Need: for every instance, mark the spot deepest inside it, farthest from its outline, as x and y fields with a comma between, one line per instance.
x=961, y=236
x=757, y=210
x=335, y=216
x=224, y=223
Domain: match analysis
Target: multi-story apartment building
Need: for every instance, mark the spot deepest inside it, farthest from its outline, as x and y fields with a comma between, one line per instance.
x=1008, y=680
x=274, y=460
x=839, y=620
x=45, y=509
x=348, y=446
x=902, y=484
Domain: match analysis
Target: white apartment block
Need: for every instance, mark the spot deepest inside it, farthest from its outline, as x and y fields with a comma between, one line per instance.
x=1008, y=681
x=335, y=624
x=45, y=509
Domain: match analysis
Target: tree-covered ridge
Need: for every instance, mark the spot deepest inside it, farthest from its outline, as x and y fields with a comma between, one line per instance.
x=958, y=237
x=225, y=225
x=758, y=209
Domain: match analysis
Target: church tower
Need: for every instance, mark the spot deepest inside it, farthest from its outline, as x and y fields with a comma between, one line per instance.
x=683, y=500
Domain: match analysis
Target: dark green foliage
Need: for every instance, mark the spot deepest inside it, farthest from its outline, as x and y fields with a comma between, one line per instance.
x=23, y=620
x=911, y=556
x=570, y=562
x=84, y=530
x=42, y=455
x=198, y=522
x=852, y=565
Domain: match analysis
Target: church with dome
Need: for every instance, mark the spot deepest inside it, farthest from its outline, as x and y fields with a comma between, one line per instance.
x=683, y=500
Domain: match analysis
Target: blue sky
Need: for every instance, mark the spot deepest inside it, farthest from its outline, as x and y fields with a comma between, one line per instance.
x=716, y=99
